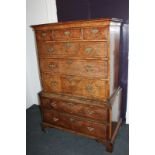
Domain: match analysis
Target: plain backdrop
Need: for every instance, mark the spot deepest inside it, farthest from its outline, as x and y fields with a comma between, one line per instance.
x=38, y=12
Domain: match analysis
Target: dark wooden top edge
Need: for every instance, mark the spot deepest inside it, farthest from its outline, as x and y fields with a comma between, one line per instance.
x=76, y=22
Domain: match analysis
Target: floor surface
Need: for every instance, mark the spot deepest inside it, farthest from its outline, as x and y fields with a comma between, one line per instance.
x=57, y=142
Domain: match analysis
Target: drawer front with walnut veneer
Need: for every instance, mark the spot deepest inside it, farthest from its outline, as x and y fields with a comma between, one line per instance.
x=100, y=113
x=79, y=68
x=67, y=34
x=100, y=33
x=76, y=50
x=85, y=68
x=75, y=123
x=94, y=88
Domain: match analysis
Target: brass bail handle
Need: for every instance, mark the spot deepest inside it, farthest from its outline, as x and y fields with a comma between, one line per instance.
x=67, y=33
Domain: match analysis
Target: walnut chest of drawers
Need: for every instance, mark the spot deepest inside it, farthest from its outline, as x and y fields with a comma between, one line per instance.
x=79, y=72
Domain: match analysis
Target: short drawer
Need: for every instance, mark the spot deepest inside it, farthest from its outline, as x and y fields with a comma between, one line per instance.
x=76, y=124
x=44, y=35
x=51, y=83
x=95, y=33
x=50, y=65
x=84, y=110
x=58, y=49
x=67, y=34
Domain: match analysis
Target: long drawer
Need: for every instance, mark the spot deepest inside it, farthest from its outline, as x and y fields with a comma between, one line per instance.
x=92, y=88
x=73, y=49
x=89, y=68
x=76, y=124
x=79, y=109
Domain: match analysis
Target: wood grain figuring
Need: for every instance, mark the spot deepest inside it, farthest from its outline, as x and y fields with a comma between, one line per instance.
x=86, y=68
x=79, y=68
x=95, y=33
x=89, y=111
x=44, y=35
x=67, y=34
x=73, y=49
x=74, y=123
x=78, y=86
x=49, y=125
x=77, y=99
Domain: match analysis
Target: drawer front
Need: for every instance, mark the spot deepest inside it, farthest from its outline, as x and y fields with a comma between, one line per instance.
x=67, y=34
x=76, y=124
x=95, y=33
x=89, y=111
x=51, y=83
x=58, y=49
x=89, y=68
x=73, y=49
x=77, y=86
x=56, y=118
x=94, y=49
x=50, y=65
x=90, y=88
x=44, y=35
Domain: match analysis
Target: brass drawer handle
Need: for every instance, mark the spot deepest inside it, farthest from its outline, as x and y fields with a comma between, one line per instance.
x=52, y=66
x=90, y=112
x=89, y=88
x=88, y=50
x=72, y=119
x=71, y=104
x=89, y=68
x=53, y=104
x=54, y=83
x=90, y=128
x=55, y=119
x=43, y=34
x=94, y=31
x=51, y=49
x=67, y=33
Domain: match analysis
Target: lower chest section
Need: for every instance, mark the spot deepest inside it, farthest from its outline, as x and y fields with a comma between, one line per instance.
x=87, y=119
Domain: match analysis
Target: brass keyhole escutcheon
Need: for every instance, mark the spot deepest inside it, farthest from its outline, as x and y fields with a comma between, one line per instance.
x=89, y=68
x=50, y=49
x=88, y=50
x=53, y=83
x=89, y=88
x=94, y=31
x=70, y=79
